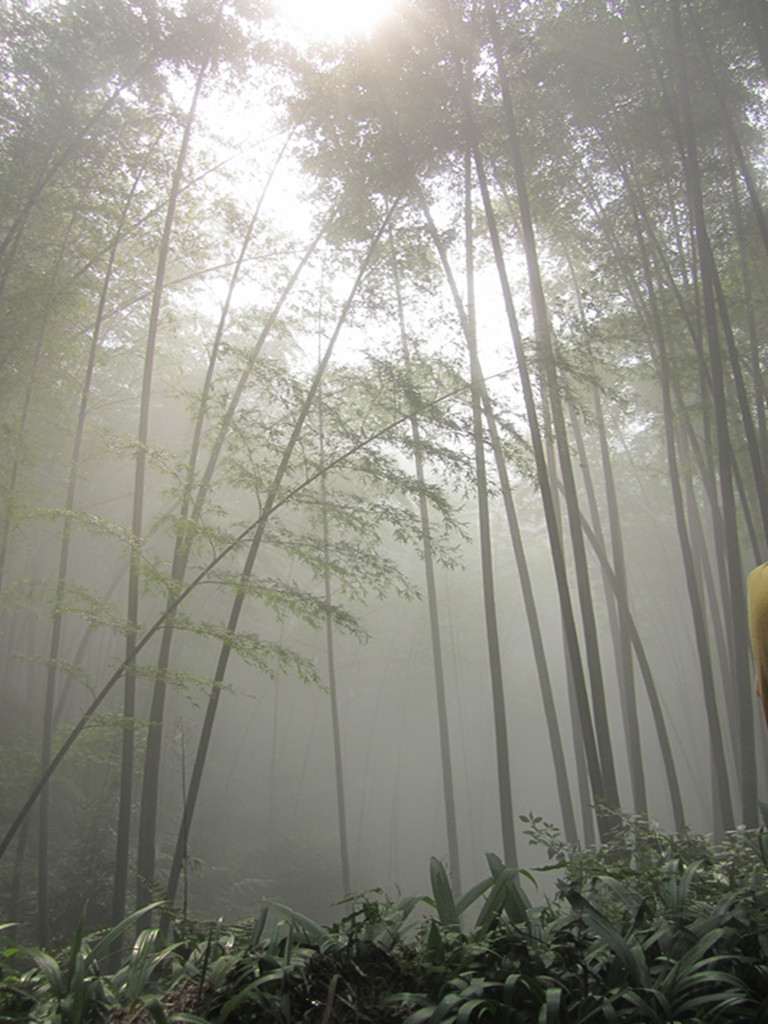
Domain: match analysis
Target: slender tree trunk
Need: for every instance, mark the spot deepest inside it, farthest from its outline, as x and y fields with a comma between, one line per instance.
x=446, y=762
x=722, y=806
x=503, y=767
x=617, y=609
x=624, y=665
x=583, y=786
x=548, y=359
x=646, y=674
x=43, y=935
x=146, y=846
x=270, y=504
x=618, y=625
x=333, y=690
x=74, y=468
x=703, y=561
x=338, y=763
x=190, y=511
x=17, y=877
x=602, y=796
x=537, y=639
x=758, y=387
x=648, y=308
x=712, y=295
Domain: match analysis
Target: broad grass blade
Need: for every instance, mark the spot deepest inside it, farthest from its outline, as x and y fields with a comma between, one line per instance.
x=443, y=896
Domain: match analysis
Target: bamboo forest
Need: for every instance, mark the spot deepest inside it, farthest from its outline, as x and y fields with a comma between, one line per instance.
x=384, y=447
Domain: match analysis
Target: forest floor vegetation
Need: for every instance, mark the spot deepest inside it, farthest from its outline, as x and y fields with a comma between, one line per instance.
x=651, y=927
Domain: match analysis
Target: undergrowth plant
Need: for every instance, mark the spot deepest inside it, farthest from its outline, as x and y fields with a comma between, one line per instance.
x=650, y=927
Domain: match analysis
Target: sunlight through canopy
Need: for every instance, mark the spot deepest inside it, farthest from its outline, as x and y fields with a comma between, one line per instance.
x=332, y=19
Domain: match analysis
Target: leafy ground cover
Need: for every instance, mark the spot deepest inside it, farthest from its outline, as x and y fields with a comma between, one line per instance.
x=650, y=927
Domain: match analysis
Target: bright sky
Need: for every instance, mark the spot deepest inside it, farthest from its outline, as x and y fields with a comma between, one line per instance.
x=331, y=19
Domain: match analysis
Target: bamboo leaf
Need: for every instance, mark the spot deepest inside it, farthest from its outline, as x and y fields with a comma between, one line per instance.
x=516, y=903
x=258, y=926
x=443, y=896
x=472, y=895
x=445, y=1006
x=692, y=962
x=420, y=1016
x=551, y=1009
x=114, y=933
x=467, y=1009
x=249, y=992
x=405, y=907
x=312, y=929
x=492, y=907
x=435, y=943
x=495, y=863
x=48, y=967
x=77, y=944
x=510, y=983
x=649, y=1012
x=628, y=951
x=288, y=952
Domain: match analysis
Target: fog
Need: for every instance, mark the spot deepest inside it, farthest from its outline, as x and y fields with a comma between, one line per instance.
x=266, y=826
x=381, y=464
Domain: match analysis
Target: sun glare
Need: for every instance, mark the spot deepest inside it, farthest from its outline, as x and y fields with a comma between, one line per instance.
x=331, y=19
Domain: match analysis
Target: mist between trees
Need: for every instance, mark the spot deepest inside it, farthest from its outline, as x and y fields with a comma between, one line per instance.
x=384, y=442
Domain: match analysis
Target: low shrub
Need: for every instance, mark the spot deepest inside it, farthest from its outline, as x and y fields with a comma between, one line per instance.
x=650, y=927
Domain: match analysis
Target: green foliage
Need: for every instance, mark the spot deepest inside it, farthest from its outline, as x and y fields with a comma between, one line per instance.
x=70, y=988
x=651, y=927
